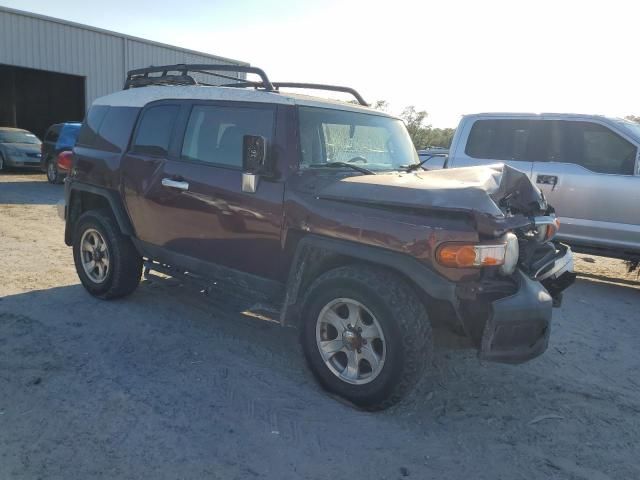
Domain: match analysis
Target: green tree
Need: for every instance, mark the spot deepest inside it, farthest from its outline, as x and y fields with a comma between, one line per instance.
x=423, y=134
x=381, y=105
x=416, y=125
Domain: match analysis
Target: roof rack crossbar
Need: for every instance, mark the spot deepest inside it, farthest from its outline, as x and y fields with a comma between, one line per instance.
x=140, y=77
x=319, y=86
x=134, y=76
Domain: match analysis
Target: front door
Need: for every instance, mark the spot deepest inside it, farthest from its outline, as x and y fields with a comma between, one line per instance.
x=590, y=177
x=182, y=182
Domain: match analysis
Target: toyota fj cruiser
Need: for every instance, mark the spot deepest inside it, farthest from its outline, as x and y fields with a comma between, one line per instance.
x=322, y=205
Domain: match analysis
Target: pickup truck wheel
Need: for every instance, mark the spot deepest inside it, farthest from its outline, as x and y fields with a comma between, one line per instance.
x=52, y=172
x=365, y=335
x=106, y=260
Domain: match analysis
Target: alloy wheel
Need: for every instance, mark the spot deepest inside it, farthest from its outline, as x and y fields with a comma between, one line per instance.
x=350, y=341
x=94, y=255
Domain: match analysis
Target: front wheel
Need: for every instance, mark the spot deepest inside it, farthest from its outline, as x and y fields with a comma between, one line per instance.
x=106, y=260
x=366, y=335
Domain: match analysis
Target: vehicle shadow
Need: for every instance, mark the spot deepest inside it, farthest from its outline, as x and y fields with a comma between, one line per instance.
x=197, y=374
x=29, y=189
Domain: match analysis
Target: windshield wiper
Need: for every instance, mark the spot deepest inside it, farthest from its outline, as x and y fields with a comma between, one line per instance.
x=416, y=166
x=366, y=171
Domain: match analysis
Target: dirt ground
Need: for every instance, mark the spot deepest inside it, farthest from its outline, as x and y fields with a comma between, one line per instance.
x=170, y=384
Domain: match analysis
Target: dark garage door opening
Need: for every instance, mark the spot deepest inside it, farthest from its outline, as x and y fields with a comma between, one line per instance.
x=35, y=99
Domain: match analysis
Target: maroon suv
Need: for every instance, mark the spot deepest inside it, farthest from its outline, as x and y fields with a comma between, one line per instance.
x=324, y=207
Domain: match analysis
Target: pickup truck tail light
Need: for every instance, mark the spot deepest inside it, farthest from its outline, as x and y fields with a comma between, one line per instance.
x=64, y=160
x=469, y=255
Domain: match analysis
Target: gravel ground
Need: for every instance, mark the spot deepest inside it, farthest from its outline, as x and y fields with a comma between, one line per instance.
x=170, y=384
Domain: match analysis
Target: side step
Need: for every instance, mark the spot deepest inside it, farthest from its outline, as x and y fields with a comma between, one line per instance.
x=226, y=293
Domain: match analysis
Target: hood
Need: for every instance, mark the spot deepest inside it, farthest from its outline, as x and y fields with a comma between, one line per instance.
x=488, y=190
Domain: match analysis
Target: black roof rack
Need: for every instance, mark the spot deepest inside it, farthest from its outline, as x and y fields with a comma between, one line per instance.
x=140, y=78
x=320, y=86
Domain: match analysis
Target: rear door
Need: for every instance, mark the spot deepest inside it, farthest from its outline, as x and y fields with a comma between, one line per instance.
x=590, y=176
x=493, y=140
x=182, y=183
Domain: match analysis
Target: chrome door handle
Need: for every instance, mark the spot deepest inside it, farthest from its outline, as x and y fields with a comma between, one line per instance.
x=180, y=185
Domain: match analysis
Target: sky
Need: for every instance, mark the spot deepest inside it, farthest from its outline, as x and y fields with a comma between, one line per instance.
x=447, y=57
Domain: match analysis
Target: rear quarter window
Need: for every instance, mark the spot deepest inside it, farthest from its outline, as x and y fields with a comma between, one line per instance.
x=115, y=130
x=91, y=124
x=154, y=131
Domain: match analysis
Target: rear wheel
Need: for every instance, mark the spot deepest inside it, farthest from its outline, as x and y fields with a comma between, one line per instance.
x=106, y=260
x=53, y=176
x=366, y=335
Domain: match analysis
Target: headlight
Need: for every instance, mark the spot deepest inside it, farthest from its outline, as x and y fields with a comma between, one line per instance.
x=511, y=254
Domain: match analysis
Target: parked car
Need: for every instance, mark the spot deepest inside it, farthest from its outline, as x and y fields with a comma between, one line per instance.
x=587, y=166
x=360, y=253
x=18, y=148
x=59, y=138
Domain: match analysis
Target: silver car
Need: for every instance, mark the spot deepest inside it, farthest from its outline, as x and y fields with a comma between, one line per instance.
x=19, y=148
x=588, y=167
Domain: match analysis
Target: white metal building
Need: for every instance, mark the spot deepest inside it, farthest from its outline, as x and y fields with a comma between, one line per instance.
x=51, y=70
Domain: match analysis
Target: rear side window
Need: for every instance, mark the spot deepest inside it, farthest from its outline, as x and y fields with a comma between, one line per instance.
x=53, y=134
x=500, y=139
x=91, y=124
x=598, y=149
x=116, y=128
x=214, y=134
x=154, y=130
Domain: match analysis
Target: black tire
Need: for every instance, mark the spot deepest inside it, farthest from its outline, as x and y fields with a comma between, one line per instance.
x=402, y=318
x=51, y=169
x=125, y=263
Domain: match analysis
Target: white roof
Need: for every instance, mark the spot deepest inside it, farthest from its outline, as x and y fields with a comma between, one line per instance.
x=535, y=115
x=140, y=96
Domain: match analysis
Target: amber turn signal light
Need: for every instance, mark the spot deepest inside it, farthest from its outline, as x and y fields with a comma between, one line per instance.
x=458, y=255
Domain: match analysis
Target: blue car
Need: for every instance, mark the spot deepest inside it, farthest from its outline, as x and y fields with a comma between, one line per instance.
x=59, y=138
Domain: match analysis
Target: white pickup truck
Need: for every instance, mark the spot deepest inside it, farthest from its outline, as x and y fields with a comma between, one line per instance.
x=588, y=167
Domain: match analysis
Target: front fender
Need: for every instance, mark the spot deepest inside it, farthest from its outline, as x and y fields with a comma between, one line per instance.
x=313, y=250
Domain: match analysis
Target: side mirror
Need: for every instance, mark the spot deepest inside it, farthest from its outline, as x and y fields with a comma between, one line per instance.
x=254, y=154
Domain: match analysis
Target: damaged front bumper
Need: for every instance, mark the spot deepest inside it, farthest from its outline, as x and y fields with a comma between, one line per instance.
x=511, y=322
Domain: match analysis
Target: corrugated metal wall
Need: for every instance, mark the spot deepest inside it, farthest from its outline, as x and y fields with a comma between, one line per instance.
x=34, y=41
